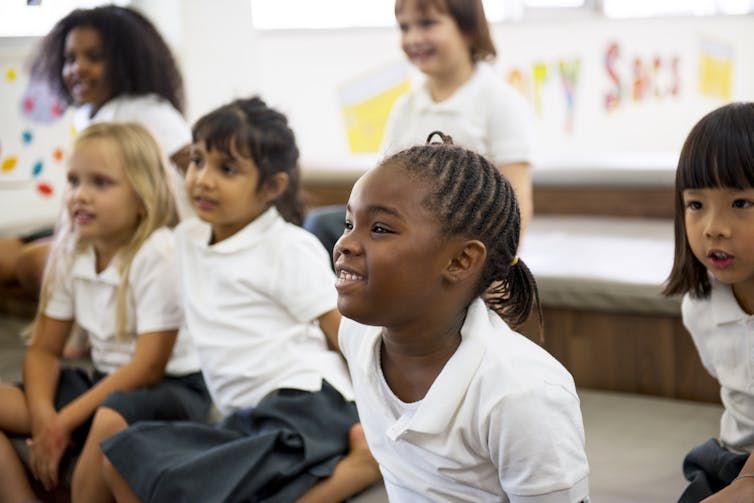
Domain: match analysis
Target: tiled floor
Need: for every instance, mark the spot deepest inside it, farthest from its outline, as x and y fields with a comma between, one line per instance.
x=635, y=444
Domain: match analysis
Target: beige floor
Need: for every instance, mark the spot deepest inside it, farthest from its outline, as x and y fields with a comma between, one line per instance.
x=635, y=444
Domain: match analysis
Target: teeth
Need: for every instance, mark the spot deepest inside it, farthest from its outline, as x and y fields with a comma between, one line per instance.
x=349, y=276
x=720, y=255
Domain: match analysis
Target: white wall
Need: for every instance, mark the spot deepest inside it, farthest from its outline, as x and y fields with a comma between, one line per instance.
x=301, y=73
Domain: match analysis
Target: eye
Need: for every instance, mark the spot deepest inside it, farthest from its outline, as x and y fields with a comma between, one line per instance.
x=693, y=205
x=381, y=229
x=196, y=161
x=742, y=203
x=347, y=225
x=102, y=182
x=96, y=57
x=403, y=27
x=73, y=180
x=427, y=23
x=228, y=170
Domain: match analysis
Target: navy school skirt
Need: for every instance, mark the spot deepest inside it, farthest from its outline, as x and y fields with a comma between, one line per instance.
x=176, y=398
x=709, y=468
x=274, y=452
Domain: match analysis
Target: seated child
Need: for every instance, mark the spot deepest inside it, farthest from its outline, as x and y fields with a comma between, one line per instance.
x=714, y=254
x=111, y=272
x=456, y=406
x=260, y=304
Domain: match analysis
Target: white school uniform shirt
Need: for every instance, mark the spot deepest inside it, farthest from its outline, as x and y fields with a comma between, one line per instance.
x=251, y=304
x=485, y=115
x=724, y=337
x=500, y=423
x=158, y=115
x=153, y=305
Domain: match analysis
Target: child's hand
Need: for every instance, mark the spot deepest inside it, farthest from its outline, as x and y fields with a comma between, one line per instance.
x=739, y=491
x=46, y=449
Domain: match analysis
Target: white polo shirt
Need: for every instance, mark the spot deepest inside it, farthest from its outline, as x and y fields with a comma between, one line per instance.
x=252, y=301
x=500, y=423
x=153, y=304
x=724, y=336
x=485, y=115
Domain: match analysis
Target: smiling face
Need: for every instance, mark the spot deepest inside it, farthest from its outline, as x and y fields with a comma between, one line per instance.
x=223, y=189
x=85, y=67
x=432, y=41
x=103, y=206
x=720, y=230
x=392, y=255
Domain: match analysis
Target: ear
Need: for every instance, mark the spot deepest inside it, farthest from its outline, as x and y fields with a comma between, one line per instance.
x=467, y=261
x=276, y=185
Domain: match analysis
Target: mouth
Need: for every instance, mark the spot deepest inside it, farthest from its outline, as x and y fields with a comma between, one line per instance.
x=81, y=217
x=204, y=203
x=420, y=54
x=720, y=259
x=345, y=278
x=81, y=88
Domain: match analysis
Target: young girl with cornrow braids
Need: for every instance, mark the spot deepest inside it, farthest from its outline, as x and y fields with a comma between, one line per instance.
x=455, y=404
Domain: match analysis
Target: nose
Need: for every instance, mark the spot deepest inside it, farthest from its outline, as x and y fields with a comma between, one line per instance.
x=717, y=225
x=347, y=244
x=80, y=193
x=410, y=36
x=203, y=177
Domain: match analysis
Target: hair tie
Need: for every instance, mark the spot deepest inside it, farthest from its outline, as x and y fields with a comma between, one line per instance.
x=514, y=261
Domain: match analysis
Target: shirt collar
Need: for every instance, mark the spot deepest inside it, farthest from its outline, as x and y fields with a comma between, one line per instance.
x=85, y=267
x=439, y=405
x=455, y=102
x=247, y=237
x=725, y=307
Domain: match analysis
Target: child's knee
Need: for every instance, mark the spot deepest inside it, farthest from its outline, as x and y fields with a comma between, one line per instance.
x=107, y=422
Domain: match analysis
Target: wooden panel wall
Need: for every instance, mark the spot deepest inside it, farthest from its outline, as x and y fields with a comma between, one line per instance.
x=628, y=352
x=619, y=201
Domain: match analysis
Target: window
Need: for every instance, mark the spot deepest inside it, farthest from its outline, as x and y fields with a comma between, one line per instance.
x=653, y=8
x=19, y=18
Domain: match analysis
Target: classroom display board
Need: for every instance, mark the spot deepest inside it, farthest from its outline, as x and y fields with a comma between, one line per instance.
x=35, y=136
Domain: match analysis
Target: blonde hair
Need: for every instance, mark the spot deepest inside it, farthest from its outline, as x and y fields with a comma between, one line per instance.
x=146, y=171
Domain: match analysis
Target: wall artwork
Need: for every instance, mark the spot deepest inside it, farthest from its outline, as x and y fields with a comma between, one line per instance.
x=366, y=102
x=34, y=137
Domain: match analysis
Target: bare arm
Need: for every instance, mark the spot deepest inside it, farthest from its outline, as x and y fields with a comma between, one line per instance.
x=52, y=430
x=739, y=491
x=41, y=368
x=519, y=176
x=330, y=323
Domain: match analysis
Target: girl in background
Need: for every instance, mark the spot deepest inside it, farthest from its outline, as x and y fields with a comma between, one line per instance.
x=112, y=64
x=456, y=406
x=449, y=42
x=714, y=271
x=112, y=271
x=260, y=305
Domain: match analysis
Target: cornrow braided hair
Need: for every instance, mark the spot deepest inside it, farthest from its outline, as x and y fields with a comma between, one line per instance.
x=471, y=198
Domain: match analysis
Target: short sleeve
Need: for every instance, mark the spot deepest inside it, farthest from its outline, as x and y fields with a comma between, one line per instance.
x=154, y=285
x=392, y=139
x=165, y=122
x=691, y=309
x=304, y=281
x=510, y=128
x=537, y=444
x=61, y=304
